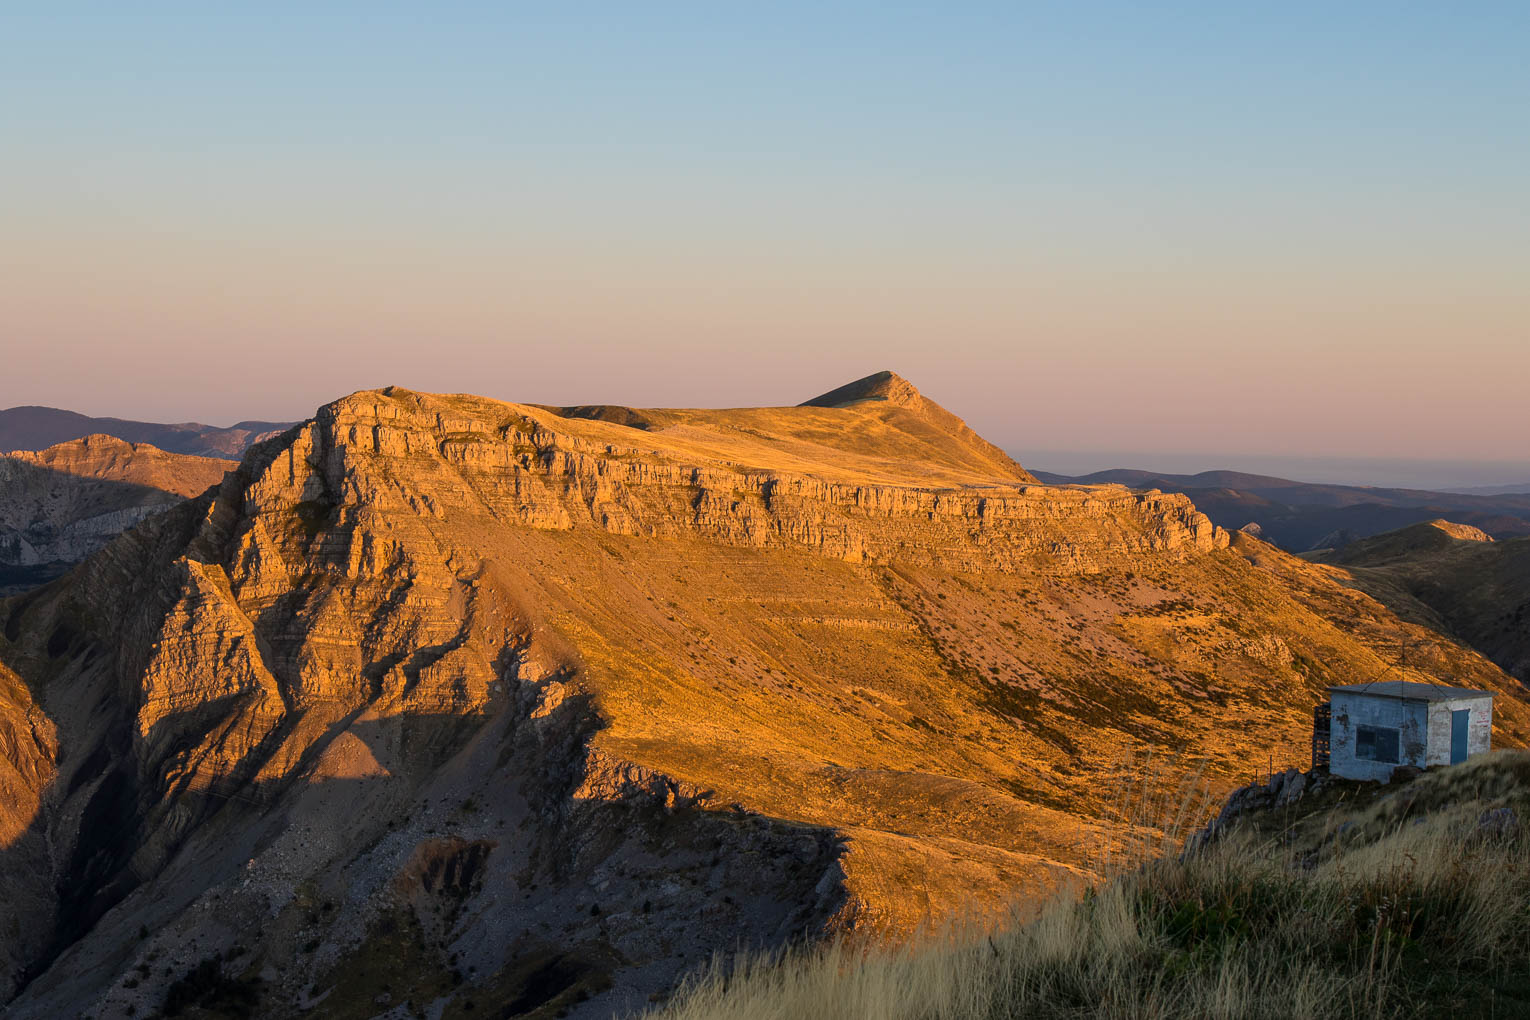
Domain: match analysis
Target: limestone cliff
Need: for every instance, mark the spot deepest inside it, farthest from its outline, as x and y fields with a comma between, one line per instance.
x=442, y=700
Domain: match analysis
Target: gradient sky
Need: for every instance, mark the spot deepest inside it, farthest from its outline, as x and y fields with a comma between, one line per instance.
x=1275, y=230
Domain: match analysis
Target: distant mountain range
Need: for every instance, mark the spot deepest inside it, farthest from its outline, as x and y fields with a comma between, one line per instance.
x=1299, y=516
x=37, y=428
x=1496, y=490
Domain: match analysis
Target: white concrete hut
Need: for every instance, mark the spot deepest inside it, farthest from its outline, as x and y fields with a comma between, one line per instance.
x=1370, y=729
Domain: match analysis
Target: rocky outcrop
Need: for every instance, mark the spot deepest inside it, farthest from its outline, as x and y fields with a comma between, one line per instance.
x=884, y=386
x=1278, y=791
x=1461, y=532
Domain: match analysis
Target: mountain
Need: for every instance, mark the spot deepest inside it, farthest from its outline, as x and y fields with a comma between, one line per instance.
x=444, y=702
x=1453, y=578
x=37, y=428
x=1298, y=516
x=60, y=505
x=1498, y=490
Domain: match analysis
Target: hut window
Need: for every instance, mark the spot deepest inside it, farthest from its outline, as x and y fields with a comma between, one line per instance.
x=1376, y=743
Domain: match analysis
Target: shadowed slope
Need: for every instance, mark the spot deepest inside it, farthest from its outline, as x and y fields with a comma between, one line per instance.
x=1454, y=578
x=1316, y=899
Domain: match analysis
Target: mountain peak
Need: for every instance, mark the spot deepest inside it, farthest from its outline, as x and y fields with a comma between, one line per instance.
x=891, y=390
x=888, y=386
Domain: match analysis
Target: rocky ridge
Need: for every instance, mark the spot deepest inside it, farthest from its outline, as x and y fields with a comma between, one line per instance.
x=1301, y=517
x=531, y=468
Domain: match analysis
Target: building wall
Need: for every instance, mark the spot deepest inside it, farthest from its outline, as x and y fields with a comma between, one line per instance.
x=1439, y=732
x=1479, y=731
x=1410, y=718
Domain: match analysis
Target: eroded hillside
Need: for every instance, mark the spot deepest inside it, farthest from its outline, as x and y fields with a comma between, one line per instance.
x=439, y=699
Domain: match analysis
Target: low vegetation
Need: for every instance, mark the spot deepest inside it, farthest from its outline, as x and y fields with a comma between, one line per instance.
x=1405, y=901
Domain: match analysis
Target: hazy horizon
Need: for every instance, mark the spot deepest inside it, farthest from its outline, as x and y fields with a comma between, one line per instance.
x=1401, y=473
x=1290, y=233
x=1449, y=474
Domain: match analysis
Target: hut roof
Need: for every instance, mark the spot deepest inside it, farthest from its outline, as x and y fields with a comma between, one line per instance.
x=1411, y=691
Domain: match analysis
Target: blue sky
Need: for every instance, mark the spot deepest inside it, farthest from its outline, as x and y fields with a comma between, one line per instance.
x=1094, y=227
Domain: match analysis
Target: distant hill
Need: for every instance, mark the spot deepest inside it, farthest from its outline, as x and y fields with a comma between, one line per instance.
x=1522, y=488
x=37, y=428
x=59, y=505
x=1298, y=516
x=1452, y=578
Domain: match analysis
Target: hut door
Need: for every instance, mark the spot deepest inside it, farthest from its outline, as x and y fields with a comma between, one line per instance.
x=1458, y=723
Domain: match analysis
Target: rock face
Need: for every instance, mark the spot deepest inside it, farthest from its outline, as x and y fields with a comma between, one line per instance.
x=60, y=505
x=1461, y=532
x=439, y=700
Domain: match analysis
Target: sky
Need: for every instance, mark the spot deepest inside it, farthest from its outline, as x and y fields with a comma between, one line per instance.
x=1204, y=234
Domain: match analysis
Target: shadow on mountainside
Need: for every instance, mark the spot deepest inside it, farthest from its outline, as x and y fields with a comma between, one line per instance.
x=1476, y=591
x=465, y=827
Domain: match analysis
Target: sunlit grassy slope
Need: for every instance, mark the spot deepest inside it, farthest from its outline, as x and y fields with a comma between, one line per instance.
x=877, y=430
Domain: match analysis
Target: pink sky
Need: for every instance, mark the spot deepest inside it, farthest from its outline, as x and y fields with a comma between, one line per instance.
x=1283, y=231
x=1401, y=361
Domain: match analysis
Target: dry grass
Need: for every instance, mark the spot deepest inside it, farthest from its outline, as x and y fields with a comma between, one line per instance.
x=1404, y=904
